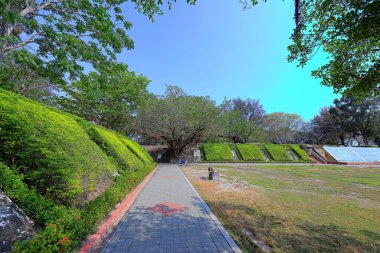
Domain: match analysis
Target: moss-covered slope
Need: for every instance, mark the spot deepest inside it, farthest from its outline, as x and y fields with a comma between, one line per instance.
x=56, y=154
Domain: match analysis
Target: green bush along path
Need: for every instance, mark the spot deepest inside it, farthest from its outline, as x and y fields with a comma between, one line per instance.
x=65, y=173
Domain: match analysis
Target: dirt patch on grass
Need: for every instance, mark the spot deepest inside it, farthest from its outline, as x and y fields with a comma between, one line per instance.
x=364, y=186
x=293, y=214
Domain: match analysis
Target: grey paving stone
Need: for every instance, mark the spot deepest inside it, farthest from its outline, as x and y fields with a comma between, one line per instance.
x=168, y=216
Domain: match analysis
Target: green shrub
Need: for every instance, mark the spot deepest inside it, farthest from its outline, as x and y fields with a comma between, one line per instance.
x=112, y=145
x=51, y=149
x=64, y=228
x=278, y=152
x=250, y=152
x=300, y=152
x=217, y=152
x=139, y=151
x=32, y=203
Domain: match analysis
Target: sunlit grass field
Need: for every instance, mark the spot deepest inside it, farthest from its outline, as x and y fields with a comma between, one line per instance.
x=296, y=208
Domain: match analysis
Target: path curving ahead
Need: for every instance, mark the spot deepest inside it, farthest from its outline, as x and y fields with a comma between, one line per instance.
x=169, y=216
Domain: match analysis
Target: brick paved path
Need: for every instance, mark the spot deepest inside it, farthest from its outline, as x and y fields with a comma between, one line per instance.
x=169, y=216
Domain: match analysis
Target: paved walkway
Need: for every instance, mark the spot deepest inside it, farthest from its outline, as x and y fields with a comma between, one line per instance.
x=169, y=216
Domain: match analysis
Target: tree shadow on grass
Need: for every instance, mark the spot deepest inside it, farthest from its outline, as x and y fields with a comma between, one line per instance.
x=286, y=236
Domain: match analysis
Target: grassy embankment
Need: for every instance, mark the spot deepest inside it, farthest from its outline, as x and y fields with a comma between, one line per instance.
x=297, y=208
x=63, y=172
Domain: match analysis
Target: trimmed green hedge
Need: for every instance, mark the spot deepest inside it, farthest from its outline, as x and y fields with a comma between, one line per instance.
x=113, y=145
x=250, y=152
x=300, y=152
x=217, y=152
x=139, y=151
x=51, y=149
x=278, y=152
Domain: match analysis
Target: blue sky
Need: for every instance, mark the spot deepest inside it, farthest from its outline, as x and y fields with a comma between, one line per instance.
x=216, y=49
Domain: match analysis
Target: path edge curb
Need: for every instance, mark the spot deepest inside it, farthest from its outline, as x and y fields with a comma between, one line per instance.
x=94, y=242
x=228, y=238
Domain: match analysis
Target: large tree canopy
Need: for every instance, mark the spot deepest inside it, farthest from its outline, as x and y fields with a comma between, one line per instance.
x=241, y=120
x=54, y=37
x=359, y=119
x=325, y=128
x=283, y=127
x=58, y=35
x=110, y=99
x=176, y=119
x=348, y=122
x=348, y=31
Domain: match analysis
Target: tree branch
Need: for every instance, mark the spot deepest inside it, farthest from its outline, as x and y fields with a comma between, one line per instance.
x=27, y=41
x=30, y=9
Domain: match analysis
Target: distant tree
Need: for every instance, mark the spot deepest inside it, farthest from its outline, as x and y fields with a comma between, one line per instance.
x=176, y=119
x=357, y=118
x=110, y=99
x=285, y=128
x=236, y=127
x=241, y=119
x=325, y=128
x=21, y=79
x=251, y=109
x=348, y=122
x=376, y=127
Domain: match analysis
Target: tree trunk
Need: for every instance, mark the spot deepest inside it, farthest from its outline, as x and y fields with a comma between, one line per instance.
x=297, y=11
x=341, y=138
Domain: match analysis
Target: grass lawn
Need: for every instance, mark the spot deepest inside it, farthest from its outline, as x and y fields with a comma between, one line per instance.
x=296, y=208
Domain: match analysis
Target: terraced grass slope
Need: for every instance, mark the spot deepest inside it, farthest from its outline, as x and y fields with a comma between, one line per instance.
x=250, y=152
x=221, y=152
x=278, y=152
x=300, y=152
x=217, y=152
